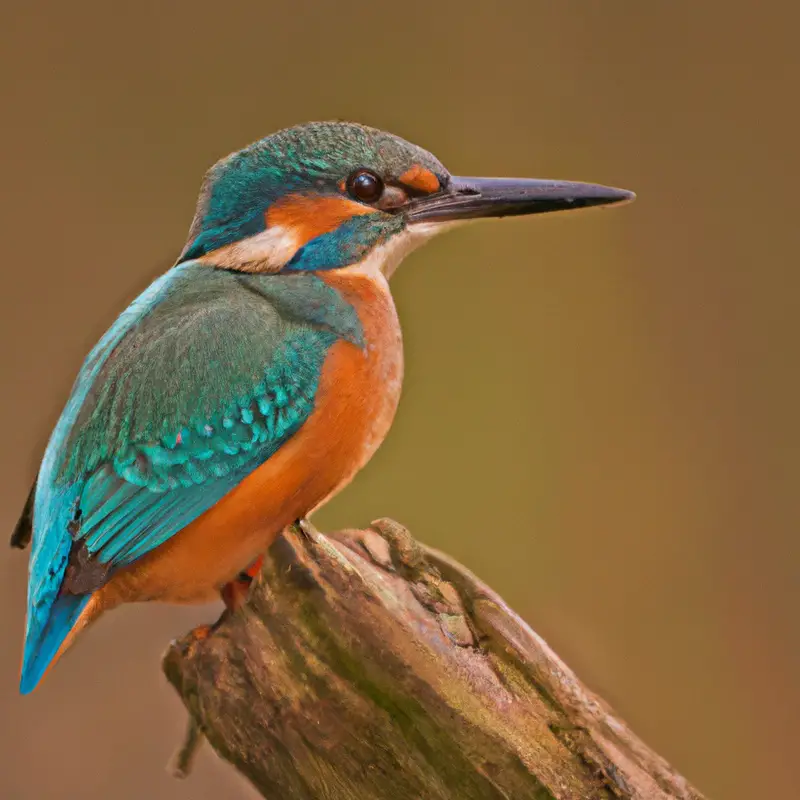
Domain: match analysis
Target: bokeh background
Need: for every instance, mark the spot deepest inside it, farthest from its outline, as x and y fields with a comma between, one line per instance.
x=600, y=409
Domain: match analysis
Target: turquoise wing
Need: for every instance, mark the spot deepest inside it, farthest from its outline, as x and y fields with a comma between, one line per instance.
x=198, y=383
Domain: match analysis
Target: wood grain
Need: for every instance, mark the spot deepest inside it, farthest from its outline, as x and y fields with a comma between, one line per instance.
x=366, y=666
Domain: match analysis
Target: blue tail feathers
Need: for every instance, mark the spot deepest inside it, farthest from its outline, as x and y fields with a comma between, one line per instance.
x=41, y=646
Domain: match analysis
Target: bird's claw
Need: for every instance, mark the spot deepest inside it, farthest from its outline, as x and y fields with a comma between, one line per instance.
x=235, y=593
x=200, y=633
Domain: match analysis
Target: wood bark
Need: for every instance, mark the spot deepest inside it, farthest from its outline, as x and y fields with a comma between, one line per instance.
x=366, y=666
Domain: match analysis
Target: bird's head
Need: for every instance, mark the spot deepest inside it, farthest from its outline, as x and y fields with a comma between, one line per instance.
x=329, y=195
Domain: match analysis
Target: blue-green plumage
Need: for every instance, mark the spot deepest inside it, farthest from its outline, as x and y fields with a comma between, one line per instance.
x=203, y=377
x=308, y=159
x=218, y=363
x=348, y=243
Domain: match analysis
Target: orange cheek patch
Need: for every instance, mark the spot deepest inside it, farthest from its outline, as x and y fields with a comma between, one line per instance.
x=309, y=217
x=420, y=178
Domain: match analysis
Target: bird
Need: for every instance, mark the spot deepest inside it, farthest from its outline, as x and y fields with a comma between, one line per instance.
x=247, y=385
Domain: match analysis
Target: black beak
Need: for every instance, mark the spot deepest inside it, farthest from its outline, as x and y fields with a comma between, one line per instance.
x=473, y=198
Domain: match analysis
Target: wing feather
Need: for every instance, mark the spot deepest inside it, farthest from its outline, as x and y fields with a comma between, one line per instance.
x=199, y=382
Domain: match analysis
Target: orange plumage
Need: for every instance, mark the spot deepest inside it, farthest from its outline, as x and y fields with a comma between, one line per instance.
x=356, y=401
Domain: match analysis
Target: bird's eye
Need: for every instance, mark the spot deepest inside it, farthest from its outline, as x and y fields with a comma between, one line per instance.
x=365, y=186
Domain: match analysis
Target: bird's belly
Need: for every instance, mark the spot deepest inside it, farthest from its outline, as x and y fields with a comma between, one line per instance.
x=355, y=404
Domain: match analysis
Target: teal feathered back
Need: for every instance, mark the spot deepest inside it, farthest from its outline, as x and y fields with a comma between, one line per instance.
x=198, y=382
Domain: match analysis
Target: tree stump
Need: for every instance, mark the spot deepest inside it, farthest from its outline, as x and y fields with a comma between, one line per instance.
x=366, y=666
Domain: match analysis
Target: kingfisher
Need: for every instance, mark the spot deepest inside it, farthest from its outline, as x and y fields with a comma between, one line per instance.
x=247, y=385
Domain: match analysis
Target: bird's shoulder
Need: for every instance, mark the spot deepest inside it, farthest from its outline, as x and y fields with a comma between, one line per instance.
x=203, y=375
x=194, y=349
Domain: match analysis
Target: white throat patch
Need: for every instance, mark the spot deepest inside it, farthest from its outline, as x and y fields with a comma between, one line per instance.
x=385, y=258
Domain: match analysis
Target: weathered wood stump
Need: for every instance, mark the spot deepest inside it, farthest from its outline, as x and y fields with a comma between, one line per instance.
x=367, y=666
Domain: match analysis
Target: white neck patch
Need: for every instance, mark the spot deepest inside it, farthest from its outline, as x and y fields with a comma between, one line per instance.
x=274, y=248
x=267, y=251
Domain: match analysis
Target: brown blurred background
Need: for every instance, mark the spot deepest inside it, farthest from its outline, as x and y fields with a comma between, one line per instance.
x=600, y=409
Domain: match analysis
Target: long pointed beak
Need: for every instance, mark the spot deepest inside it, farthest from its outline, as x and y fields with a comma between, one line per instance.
x=473, y=198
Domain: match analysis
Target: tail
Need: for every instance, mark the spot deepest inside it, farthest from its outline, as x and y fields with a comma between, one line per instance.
x=43, y=642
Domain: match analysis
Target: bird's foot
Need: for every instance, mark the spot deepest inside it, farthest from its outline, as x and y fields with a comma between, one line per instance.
x=235, y=593
x=200, y=632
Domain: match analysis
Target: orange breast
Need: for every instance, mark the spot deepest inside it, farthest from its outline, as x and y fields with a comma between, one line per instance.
x=354, y=408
